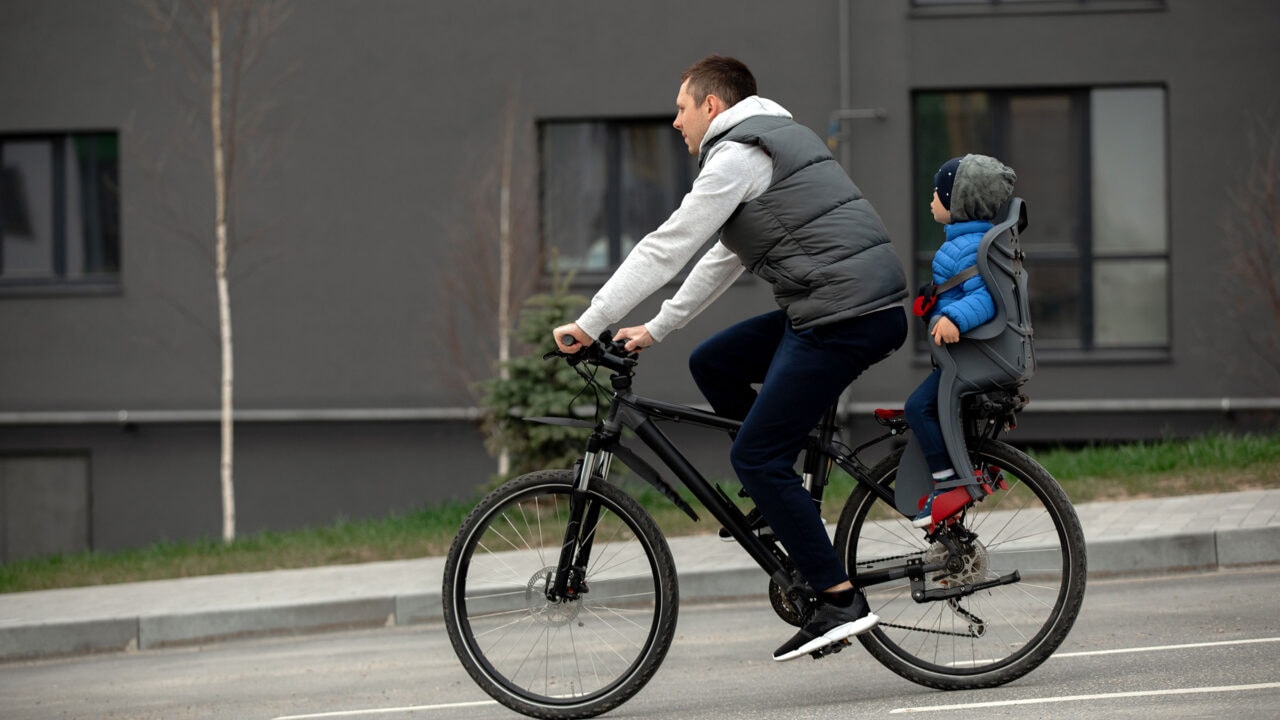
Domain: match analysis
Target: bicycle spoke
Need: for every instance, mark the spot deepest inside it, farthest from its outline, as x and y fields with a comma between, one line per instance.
x=581, y=648
x=998, y=632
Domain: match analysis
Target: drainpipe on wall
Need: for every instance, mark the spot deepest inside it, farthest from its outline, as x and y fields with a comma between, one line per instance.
x=835, y=121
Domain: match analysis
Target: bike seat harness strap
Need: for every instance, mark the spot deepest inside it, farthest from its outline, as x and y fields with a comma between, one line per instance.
x=928, y=296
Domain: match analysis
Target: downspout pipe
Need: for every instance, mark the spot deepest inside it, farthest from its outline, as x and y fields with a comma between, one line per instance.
x=837, y=118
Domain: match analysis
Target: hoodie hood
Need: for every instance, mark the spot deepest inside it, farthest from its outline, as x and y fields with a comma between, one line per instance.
x=748, y=107
x=982, y=186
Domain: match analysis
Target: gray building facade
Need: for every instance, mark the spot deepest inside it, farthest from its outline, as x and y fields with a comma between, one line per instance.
x=367, y=187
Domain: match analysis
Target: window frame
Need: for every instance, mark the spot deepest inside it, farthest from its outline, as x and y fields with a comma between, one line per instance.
x=614, y=210
x=58, y=281
x=1084, y=258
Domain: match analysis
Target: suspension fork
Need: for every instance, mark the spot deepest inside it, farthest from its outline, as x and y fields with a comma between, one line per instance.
x=569, y=580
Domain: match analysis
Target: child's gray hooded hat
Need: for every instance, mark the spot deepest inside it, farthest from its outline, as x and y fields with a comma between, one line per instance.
x=974, y=187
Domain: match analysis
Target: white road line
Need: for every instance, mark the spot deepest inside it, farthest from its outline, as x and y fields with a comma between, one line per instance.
x=1155, y=648
x=1030, y=701
x=1120, y=651
x=1077, y=698
x=386, y=711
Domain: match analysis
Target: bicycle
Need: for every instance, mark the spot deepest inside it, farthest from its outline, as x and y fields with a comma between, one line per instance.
x=560, y=594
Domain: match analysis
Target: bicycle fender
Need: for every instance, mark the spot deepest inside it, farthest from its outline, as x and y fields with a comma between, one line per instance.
x=647, y=471
x=914, y=480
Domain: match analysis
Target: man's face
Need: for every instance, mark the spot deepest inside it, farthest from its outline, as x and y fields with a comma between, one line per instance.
x=692, y=119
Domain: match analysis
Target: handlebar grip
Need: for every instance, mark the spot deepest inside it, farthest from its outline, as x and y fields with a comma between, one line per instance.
x=568, y=340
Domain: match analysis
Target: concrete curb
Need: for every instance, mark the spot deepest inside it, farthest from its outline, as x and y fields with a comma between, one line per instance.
x=1248, y=546
x=54, y=639
x=1209, y=550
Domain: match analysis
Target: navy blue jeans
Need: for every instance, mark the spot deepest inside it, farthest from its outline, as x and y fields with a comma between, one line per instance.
x=922, y=415
x=800, y=374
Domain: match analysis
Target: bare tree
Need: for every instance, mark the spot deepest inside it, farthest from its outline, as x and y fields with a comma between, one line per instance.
x=1252, y=241
x=494, y=260
x=493, y=263
x=200, y=28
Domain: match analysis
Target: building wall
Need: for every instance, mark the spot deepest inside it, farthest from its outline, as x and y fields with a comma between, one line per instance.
x=384, y=124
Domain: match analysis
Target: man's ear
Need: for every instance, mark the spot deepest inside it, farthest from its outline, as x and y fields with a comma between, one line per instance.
x=717, y=105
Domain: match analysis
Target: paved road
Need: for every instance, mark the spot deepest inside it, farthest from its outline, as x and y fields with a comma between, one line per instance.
x=1203, y=645
x=1193, y=532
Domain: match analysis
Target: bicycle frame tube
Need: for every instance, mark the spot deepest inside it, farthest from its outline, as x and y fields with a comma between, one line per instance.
x=669, y=411
x=728, y=515
x=639, y=414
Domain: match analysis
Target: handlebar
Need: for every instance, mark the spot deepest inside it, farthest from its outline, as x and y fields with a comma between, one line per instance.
x=605, y=352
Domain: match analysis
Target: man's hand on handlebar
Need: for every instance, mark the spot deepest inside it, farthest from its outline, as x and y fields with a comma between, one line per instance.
x=571, y=339
x=637, y=338
x=577, y=347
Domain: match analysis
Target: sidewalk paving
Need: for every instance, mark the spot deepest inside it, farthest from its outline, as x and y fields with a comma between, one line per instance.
x=1199, y=532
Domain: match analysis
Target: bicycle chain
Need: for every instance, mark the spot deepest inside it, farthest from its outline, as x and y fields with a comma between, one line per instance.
x=930, y=630
x=869, y=563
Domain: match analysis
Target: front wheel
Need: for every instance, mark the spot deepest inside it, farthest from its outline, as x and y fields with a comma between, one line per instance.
x=981, y=638
x=572, y=657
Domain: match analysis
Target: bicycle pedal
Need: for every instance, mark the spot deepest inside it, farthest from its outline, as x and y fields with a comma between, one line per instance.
x=831, y=649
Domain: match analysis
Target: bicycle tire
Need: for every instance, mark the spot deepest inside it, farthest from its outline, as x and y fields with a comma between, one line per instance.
x=570, y=659
x=989, y=637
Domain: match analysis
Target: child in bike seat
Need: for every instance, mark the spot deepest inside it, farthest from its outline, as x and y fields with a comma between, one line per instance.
x=968, y=194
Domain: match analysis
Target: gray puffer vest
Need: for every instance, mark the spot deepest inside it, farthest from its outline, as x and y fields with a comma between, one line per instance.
x=812, y=235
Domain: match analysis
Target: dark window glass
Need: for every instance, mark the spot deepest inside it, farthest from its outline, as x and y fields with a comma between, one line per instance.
x=605, y=184
x=1091, y=166
x=59, y=209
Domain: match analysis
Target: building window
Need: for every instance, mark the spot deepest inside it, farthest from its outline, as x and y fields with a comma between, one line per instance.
x=59, y=210
x=605, y=184
x=1091, y=166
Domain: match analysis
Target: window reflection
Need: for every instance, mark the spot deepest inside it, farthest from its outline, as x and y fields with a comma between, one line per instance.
x=606, y=184
x=1091, y=166
x=59, y=209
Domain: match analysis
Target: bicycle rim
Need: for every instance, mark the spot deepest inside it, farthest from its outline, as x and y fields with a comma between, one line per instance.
x=991, y=636
x=564, y=659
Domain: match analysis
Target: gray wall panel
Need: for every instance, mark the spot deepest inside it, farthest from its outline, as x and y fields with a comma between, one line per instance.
x=384, y=129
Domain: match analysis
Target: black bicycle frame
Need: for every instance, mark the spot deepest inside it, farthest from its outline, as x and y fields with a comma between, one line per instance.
x=640, y=415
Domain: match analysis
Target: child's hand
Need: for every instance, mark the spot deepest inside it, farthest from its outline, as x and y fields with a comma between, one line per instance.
x=945, y=332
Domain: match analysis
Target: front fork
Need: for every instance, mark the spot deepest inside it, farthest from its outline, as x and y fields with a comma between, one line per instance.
x=569, y=579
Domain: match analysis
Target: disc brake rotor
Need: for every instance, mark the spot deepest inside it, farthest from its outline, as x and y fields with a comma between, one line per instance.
x=969, y=567
x=543, y=610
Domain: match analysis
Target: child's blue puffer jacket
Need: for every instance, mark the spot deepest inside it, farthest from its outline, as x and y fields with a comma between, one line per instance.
x=969, y=305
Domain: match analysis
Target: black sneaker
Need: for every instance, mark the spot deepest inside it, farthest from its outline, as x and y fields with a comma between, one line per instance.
x=826, y=625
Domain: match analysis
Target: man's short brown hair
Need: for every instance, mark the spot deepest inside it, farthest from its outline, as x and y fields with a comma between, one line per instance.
x=725, y=77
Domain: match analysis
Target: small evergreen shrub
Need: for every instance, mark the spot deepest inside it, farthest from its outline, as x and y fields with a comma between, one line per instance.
x=537, y=387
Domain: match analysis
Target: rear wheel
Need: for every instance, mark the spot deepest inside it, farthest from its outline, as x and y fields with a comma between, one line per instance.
x=567, y=658
x=979, y=638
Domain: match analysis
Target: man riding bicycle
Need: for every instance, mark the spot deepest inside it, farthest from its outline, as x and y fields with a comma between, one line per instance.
x=781, y=207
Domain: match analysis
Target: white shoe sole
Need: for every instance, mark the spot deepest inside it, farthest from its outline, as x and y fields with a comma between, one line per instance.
x=834, y=635
x=922, y=522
